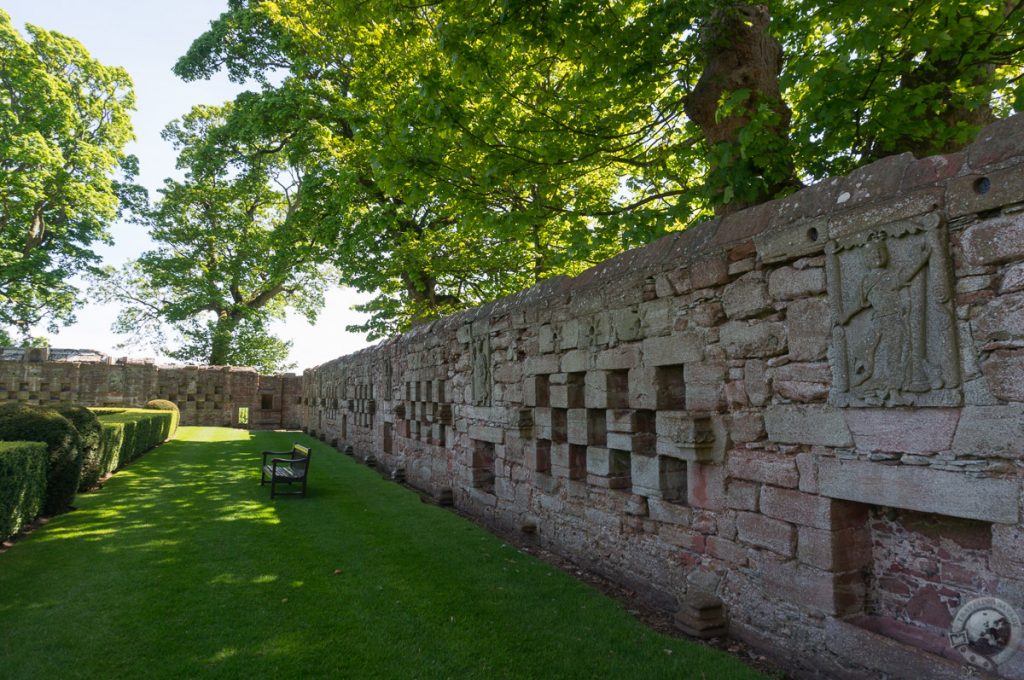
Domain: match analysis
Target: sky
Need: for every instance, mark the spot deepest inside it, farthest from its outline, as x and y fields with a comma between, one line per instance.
x=146, y=37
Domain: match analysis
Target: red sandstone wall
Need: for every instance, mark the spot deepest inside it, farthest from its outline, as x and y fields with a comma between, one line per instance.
x=206, y=395
x=812, y=410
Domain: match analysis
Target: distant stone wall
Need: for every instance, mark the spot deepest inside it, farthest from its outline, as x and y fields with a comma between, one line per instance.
x=206, y=395
x=810, y=412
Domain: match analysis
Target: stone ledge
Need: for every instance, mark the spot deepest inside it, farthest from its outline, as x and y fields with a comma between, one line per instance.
x=911, y=488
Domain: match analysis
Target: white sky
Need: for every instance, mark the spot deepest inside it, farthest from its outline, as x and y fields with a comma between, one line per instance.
x=146, y=37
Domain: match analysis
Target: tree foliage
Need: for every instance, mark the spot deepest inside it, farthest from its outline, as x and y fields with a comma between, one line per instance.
x=229, y=258
x=455, y=152
x=64, y=123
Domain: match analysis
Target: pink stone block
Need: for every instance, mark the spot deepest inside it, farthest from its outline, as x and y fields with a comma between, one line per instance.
x=903, y=430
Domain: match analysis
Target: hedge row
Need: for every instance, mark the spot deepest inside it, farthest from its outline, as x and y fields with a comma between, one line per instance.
x=128, y=433
x=22, y=484
x=68, y=449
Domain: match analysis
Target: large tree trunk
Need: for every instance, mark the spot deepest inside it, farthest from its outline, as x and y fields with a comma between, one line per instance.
x=740, y=54
x=223, y=334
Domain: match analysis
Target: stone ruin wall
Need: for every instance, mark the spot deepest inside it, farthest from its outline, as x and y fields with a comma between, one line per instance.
x=812, y=411
x=206, y=395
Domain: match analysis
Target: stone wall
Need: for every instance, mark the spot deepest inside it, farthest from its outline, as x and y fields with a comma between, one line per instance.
x=206, y=395
x=811, y=411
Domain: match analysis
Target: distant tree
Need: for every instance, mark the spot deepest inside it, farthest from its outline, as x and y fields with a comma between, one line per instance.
x=458, y=151
x=229, y=258
x=64, y=123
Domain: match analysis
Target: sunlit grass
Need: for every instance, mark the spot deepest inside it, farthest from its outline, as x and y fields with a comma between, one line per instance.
x=182, y=567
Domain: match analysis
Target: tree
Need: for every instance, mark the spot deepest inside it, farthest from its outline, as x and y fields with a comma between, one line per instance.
x=64, y=123
x=459, y=151
x=230, y=258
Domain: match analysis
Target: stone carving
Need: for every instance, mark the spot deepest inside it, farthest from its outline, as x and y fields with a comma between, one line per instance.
x=482, y=371
x=893, y=324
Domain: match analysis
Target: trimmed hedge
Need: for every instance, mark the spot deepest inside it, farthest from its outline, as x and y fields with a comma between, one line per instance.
x=22, y=484
x=165, y=405
x=21, y=422
x=90, y=431
x=128, y=433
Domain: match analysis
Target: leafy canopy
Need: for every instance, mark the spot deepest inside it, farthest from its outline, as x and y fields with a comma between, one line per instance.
x=64, y=123
x=229, y=259
x=456, y=152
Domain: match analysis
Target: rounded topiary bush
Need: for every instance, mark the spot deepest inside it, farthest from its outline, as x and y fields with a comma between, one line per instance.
x=21, y=422
x=89, y=432
x=165, y=405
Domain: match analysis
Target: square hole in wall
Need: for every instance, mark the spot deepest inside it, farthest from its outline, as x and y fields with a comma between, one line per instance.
x=267, y=402
x=597, y=427
x=559, y=424
x=575, y=384
x=541, y=462
x=483, y=466
x=671, y=388
x=577, y=461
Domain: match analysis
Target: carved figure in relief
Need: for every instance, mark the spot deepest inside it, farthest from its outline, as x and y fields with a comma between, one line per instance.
x=482, y=371
x=894, y=337
x=888, y=359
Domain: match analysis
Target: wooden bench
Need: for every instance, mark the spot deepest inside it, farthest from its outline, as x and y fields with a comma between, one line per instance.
x=287, y=467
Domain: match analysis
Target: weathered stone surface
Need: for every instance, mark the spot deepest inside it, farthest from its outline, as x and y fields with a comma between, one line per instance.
x=921, y=489
x=842, y=550
x=764, y=467
x=807, y=425
x=905, y=206
x=887, y=657
x=680, y=435
x=712, y=271
x=903, y=430
x=1001, y=319
x=995, y=240
x=808, y=329
x=788, y=283
x=811, y=510
x=977, y=193
x=673, y=349
x=987, y=431
x=764, y=532
x=745, y=340
x=746, y=297
x=1008, y=550
x=1013, y=279
x=788, y=243
x=1003, y=371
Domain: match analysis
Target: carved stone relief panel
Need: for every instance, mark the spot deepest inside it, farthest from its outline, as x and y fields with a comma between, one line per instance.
x=893, y=322
x=481, y=347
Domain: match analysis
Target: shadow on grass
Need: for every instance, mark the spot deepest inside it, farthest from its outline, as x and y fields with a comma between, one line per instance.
x=182, y=566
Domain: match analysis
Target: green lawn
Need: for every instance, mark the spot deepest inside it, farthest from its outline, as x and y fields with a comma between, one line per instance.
x=182, y=567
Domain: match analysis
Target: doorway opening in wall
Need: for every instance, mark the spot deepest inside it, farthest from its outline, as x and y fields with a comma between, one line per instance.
x=243, y=415
x=267, y=402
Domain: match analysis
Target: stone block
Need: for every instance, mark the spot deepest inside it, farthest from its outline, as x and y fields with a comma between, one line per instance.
x=809, y=329
x=843, y=550
x=1004, y=373
x=547, y=338
x=994, y=241
x=887, y=657
x=705, y=486
x=569, y=334
x=576, y=361
x=746, y=340
x=495, y=435
x=807, y=466
x=641, y=443
x=763, y=467
x=765, y=532
x=705, y=396
x=656, y=317
x=643, y=388
x=811, y=510
x=1008, y=551
x=899, y=207
x=799, y=424
x=1000, y=320
x=805, y=237
x=912, y=431
x=669, y=513
x=990, y=431
x=923, y=489
x=542, y=365
x=618, y=358
x=746, y=426
x=674, y=349
x=746, y=297
x=625, y=324
x=708, y=272
x=755, y=381
x=681, y=435
x=813, y=589
x=741, y=495
x=980, y=192
x=605, y=462
x=577, y=426
x=726, y=550
x=789, y=283
x=568, y=460
x=658, y=477
x=629, y=421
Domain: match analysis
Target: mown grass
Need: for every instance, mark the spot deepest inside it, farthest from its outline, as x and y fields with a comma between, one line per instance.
x=182, y=567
